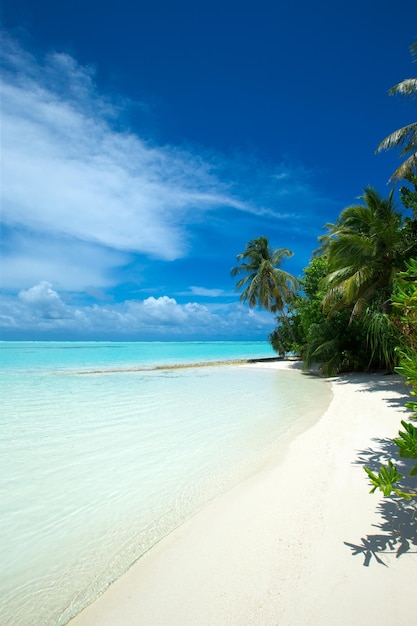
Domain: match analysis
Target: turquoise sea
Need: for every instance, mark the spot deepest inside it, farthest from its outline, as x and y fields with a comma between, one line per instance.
x=106, y=448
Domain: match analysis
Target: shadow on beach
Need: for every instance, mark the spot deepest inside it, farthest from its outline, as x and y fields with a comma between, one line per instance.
x=397, y=531
x=378, y=382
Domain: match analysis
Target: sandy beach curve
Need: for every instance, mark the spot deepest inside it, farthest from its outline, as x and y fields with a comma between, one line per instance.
x=299, y=543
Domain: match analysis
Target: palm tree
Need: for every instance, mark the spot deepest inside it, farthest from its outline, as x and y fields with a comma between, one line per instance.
x=365, y=249
x=405, y=137
x=264, y=283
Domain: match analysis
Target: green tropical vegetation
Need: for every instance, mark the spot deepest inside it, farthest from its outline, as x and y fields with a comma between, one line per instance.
x=355, y=306
x=343, y=317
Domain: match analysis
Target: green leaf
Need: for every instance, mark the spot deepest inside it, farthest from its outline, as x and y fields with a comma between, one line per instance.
x=407, y=441
x=385, y=479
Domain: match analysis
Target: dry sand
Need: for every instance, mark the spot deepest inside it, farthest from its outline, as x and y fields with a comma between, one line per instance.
x=299, y=543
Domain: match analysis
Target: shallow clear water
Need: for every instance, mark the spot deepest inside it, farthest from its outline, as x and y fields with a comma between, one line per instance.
x=29, y=355
x=98, y=464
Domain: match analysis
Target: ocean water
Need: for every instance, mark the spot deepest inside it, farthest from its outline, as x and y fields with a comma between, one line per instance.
x=104, y=451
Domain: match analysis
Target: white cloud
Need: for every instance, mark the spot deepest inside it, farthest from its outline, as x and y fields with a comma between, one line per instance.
x=39, y=295
x=41, y=308
x=165, y=311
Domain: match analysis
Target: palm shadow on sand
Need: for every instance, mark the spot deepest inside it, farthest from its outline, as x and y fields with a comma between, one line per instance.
x=397, y=531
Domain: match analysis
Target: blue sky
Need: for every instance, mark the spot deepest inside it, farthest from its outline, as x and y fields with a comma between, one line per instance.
x=143, y=144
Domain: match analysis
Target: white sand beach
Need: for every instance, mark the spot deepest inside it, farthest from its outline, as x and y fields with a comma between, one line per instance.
x=299, y=543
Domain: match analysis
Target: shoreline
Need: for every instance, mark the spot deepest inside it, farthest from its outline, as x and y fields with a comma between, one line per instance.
x=300, y=542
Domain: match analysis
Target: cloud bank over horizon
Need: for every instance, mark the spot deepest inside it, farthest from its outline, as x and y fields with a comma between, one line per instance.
x=42, y=308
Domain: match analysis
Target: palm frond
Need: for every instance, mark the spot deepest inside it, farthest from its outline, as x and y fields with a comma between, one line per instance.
x=407, y=87
x=324, y=349
x=382, y=337
x=282, y=277
x=398, y=137
x=406, y=169
x=277, y=256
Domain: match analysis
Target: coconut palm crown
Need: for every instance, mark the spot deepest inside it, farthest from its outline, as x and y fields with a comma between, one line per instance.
x=364, y=249
x=264, y=283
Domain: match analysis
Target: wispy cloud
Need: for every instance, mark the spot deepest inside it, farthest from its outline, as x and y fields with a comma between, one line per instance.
x=70, y=175
x=67, y=262
x=205, y=292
